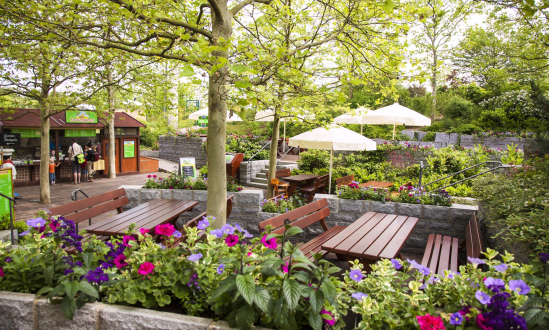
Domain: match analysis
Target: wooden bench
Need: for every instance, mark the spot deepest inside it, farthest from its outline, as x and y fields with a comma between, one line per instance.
x=320, y=185
x=345, y=181
x=303, y=217
x=88, y=208
x=194, y=222
x=441, y=252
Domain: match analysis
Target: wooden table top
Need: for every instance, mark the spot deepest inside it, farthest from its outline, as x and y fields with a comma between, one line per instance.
x=147, y=215
x=375, y=184
x=372, y=236
x=300, y=177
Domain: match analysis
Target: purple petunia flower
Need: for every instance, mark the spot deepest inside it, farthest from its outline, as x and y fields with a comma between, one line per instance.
x=359, y=296
x=502, y=268
x=36, y=222
x=247, y=234
x=203, y=224
x=424, y=270
x=221, y=269
x=423, y=286
x=433, y=280
x=476, y=261
x=483, y=297
x=413, y=263
x=228, y=229
x=544, y=257
x=396, y=263
x=237, y=226
x=7, y=260
x=356, y=275
x=519, y=287
x=493, y=283
x=177, y=234
x=456, y=319
x=195, y=257
x=25, y=233
x=162, y=246
x=217, y=233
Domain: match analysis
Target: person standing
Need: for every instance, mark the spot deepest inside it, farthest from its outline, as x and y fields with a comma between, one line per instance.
x=52, y=170
x=90, y=158
x=9, y=164
x=74, y=151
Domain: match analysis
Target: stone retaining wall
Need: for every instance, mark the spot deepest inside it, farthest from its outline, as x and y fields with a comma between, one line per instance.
x=246, y=211
x=25, y=311
x=247, y=173
x=150, y=153
x=5, y=236
x=174, y=147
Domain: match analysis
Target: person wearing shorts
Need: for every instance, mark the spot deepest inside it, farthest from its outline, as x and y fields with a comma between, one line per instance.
x=75, y=150
x=52, y=166
x=90, y=157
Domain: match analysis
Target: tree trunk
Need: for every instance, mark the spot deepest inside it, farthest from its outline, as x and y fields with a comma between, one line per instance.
x=110, y=126
x=434, y=84
x=44, y=153
x=217, y=116
x=272, y=154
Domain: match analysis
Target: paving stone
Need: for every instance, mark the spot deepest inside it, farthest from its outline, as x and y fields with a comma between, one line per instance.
x=133, y=194
x=417, y=240
x=149, y=194
x=411, y=210
x=462, y=213
x=432, y=212
x=250, y=210
x=343, y=217
x=422, y=224
x=16, y=310
x=381, y=207
x=5, y=236
x=410, y=134
x=352, y=206
x=453, y=138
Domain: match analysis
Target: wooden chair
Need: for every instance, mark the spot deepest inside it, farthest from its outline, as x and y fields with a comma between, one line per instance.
x=323, y=183
x=345, y=181
x=194, y=222
x=88, y=208
x=441, y=252
x=279, y=186
x=304, y=217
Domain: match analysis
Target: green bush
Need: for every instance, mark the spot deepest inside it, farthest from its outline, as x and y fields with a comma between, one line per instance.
x=249, y=146
x=458, y=107
x=314, y=159
x=204, y=171
x=429, y=137
x=467, y=129
x=5, y=223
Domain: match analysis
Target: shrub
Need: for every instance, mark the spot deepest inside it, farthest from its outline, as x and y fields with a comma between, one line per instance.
x=283, y=205
x=249, y=146
x=429, y=137
x=233, y=185
x=203, y=171
x=467, y=129
x=403, y=195
x=21, y=226
x=175, y=181
x=313, y=159
x=458, y=108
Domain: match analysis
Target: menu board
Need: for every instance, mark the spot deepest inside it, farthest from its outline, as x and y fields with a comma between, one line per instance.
x=6, y=188
x=229, y=158
x=187, y=167
x=10, y=139
x=79, y=132
x=129, y=149
x=81, y=117
x=27, y=132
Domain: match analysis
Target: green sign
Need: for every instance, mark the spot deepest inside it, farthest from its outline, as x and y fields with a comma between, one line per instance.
x=79, y=132
x=81, y=117
x=6, y=188
x=27, y=132
x=129, y=149
x=203, y=124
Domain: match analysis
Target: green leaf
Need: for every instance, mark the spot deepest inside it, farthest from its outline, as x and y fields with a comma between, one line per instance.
x=240, y=68
x=316, y=299
x=292, y=292
x=245, y=317
x=533, y=316
x=293, y=231
x=231, y=319
x=48, y=275
x=266, y=271
x=88, y=257
x=242, y=84
x=263, y=300
x=355, y=81
x=388, y=6
x=68, y=306
x=329, y=290
x=315, y=320
x=280, y=312
x=88, y=289
x=43, y=290
x=71, y=288
x=186, y=71
x=55, y=291
x=246, y=287
x=301, y=276
x=180, y=290
x=225, y=285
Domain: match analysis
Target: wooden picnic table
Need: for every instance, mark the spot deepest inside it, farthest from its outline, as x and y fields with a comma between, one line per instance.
x=372, y=237
x=295, y=180
x=376, y=184
x=147, y=215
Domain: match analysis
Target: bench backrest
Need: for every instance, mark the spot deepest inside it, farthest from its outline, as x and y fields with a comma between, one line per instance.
x=91, y=207
x=345, y=180
x=473, y=240
x=301, y=217
x=323, y=180
x=281, y=173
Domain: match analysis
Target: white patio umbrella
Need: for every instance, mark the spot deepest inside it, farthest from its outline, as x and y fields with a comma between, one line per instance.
x=395, y=114
x=349, y=118
x=204, y=112
x=268, y=115
x=333, y=138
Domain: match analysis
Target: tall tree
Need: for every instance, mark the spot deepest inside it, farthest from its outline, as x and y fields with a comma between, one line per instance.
x=438, y=22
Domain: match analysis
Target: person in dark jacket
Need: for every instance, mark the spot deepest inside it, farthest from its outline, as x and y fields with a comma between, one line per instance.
x=90, y=158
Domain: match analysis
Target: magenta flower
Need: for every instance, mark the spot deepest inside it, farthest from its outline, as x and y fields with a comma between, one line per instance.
x=146, y=268
x=271, y=243
x=231, y=240
x=285, y=268
x=328, y=318
x=1, y=272
x=126, y=239
x=119, y=261
x=429, y=322
x=165, y=229
x=144, y=231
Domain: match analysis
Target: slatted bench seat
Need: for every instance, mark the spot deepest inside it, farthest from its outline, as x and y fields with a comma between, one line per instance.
x=441, y=252
x=194, y=222
x=304, y=217
x=320, y=185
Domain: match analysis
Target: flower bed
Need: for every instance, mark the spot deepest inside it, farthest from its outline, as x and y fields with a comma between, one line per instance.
x=283, y=205
x=176, y=181
x=408, y=194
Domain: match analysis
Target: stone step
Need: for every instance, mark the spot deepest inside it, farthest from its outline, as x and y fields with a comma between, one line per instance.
x=257, y=185
x=260, y=180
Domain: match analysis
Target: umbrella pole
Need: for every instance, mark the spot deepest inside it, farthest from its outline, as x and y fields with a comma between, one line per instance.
x=361, y=129
x=284, y=141
x=330, y=182
x=394, y=128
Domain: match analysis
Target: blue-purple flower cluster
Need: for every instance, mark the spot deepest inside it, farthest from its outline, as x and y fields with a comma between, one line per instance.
x=98, y=275
x=193, y=282
x=67, y=233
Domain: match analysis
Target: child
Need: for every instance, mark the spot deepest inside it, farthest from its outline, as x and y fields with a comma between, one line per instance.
x=52, y=170
x=84, y=171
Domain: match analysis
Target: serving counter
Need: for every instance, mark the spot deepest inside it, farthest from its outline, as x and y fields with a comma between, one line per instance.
x=29, y=174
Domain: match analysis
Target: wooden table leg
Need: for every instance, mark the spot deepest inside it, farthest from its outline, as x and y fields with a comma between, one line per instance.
x=292, y=187
x=367, y=263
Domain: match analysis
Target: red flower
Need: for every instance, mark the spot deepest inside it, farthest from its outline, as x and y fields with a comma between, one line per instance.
x=481, y=321
x=231, y=240
x=428, y=322
x=146, y=268
x=126, y=239
x=119, y=261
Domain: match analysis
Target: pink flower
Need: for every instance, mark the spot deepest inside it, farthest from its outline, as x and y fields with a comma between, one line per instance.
x=481, y=321
x=1, y=272
x=54, y=226
x=165, y=229
x=271, y=244
x=119, y=261
x=330, y=320
x=144, y=231
x=231, y=240
x=126, y=239
x=146, y=268
x=285, y=267
x=428, y=322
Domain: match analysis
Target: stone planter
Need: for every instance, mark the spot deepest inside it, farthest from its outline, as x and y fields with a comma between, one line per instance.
x=5, y=236
x=24, y=311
